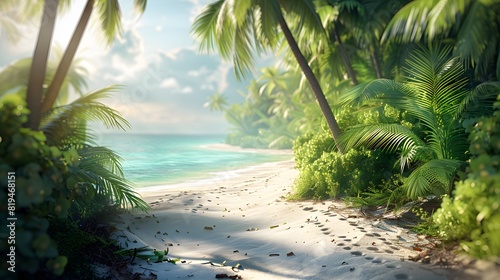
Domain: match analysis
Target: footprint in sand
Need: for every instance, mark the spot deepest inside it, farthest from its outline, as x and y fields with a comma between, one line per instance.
x=347, y=240
x=369, y=234
x=394, y=248
x=390, y=265
x=356, y=253
x=376, y=261
x=376, y=234
x=369, y=258
x=389, y=251
x=372, y=248
x=324, y=229
x=401, y=276
x=340, y=244
x=342, y=236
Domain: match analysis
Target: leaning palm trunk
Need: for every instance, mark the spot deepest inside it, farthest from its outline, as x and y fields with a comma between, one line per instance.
x=313, y=82
x=69, y=54
x=39, y=64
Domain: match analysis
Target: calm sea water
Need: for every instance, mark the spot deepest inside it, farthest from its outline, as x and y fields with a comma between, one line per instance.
x=166, y=159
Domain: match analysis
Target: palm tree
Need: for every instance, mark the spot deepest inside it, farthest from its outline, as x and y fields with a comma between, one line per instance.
x=435, y=94
x=473, y=25
x=217, y=102
x=235, y=27
x=39, y=64
x=110, y=17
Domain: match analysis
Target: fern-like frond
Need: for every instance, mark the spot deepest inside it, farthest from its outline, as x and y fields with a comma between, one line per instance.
x=432, y=177
x=63, y=124
x=110, y=15
x=388, y=137
x=388, y=91
x=108, y=183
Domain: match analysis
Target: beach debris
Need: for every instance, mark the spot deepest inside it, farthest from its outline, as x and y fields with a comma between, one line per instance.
x=208, y=228
x=418, y=249
x=236, y=251
x=274, y=255
x=290, y=254
x=271, y=227
x=345, y=263
x=225, y=276
x=252, y=229
x=169, y=244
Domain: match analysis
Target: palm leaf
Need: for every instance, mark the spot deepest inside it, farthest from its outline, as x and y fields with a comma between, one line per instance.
x=388, y=137
x=435, y=177
x=109, y=14
x=88, y=108
x=107, y=183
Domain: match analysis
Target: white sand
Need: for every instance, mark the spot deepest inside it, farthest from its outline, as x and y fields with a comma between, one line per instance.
x=328, y=240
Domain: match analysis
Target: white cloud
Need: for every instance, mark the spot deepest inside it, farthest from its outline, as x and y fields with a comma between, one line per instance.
x=169, y=83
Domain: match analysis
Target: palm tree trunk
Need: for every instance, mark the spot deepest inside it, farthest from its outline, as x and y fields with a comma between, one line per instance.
x=39, y=64
x=345, y=57
x=67, y=59
x=313, y=82
x=376, y=61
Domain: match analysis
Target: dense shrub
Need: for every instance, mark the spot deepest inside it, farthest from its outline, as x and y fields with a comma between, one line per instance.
x=309, y=147
x=334, y=175
x=48, y=197
x=39, y=190
x=472, y=215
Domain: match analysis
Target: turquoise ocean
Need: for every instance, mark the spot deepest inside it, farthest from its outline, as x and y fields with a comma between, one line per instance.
x=150, y=160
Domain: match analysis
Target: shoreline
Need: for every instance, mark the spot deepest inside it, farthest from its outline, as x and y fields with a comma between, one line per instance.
x=217, y=175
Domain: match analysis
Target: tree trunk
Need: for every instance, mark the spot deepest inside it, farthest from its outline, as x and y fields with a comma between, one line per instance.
x=345, y=57
x=67, y=59
x=39, y=64
x=376, y=62
x=313, y=82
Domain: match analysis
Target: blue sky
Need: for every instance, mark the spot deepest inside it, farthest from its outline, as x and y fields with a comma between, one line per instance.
x=166, y=79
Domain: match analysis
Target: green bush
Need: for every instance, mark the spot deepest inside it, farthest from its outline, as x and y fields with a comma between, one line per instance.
x=39, y=189
x=334, y=175
x=309, y=147
x=472, y=215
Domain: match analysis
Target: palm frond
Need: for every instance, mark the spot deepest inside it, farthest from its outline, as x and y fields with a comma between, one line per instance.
x=104, y=157
x=140, y=6
x=433, y=177
x=108, y=183
x=390, y=91
x=110, y=19
x=388, y=137
x=14, y=75
x=86, y=108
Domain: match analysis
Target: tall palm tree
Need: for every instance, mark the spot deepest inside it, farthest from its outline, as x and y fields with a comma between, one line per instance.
x=435, y=94
x=110, y=19
x=473, y=25
x=236, y=28
x=39, y=63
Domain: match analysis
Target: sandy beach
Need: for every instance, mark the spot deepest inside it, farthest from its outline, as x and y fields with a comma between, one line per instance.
x=239, y=224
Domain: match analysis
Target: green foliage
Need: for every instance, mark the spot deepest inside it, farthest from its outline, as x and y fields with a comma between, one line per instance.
x=51, y=183
x=436, y=96
x=472, y=215
x=326, y=173
x=43, y=189
x=309, y=147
